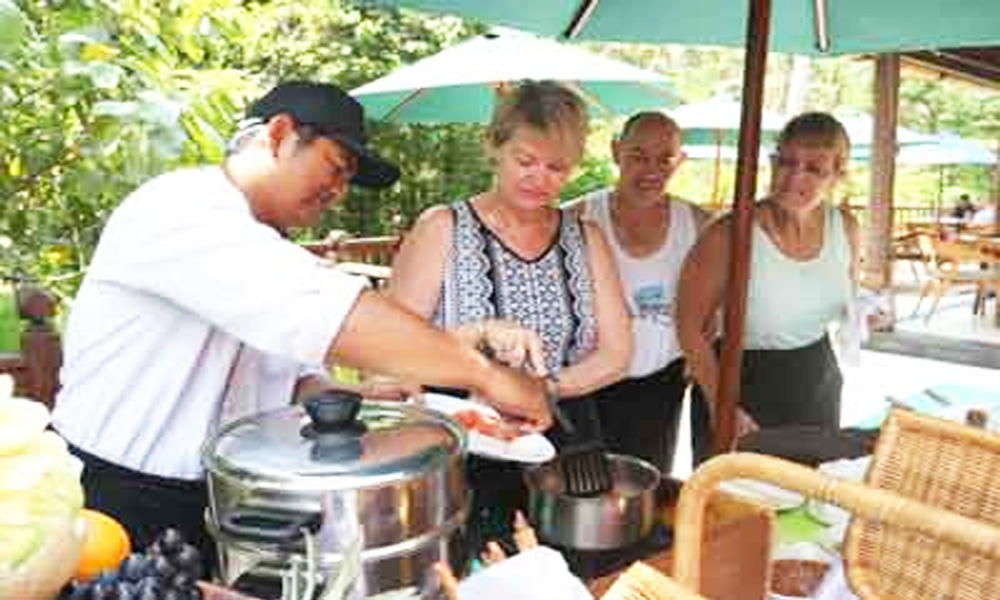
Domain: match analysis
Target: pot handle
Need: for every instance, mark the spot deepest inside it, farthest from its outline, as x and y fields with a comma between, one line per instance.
x=269, y=525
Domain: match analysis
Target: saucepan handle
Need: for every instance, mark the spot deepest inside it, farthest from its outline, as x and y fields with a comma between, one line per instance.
x=269, y=525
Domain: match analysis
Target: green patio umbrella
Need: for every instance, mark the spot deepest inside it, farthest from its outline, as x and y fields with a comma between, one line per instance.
x=811, y=27
x=816, y=27
x=458, y=84
x=941, y=150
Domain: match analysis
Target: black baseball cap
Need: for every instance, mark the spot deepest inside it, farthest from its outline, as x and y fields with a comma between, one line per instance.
x=334, y=114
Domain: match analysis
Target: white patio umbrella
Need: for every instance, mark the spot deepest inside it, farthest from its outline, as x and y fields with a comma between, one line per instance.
x=861, y=125
x=943, y=151
x=459, y=84
x=717, y=121
x=711, y=130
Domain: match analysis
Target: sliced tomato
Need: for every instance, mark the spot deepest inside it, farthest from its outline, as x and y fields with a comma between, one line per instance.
x=474, y=420
x=468, y=419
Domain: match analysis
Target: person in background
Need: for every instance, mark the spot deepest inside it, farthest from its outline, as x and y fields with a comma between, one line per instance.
x=985, y=216
x=650, y=232
x=802, y=275
x=197, y=310
x=510, y=253
x=964, y=208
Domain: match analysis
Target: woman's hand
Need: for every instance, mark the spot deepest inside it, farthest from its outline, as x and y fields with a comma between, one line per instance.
x=744, y=423
x=508, y=343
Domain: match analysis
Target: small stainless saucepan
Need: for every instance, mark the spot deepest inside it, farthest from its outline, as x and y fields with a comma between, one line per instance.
x=613, y=519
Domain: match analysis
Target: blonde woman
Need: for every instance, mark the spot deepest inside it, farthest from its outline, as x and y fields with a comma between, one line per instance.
x=802, y=275
x=510, y=253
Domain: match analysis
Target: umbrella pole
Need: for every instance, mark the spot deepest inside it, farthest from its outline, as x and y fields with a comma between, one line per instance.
x=996, y=191
x=716, y=173
x=730, y=362
x=939, y=210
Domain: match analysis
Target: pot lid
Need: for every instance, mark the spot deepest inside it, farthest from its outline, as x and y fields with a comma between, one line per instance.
x=335, y=435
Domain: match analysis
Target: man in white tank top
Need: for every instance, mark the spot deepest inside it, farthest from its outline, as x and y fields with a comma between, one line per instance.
x=649, y=232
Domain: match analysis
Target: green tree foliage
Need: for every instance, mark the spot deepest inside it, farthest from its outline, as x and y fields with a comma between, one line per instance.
x=308, y=39
x=97, y=97
x=100, y=95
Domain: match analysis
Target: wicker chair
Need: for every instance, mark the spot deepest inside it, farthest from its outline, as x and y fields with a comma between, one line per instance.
x=925, y=523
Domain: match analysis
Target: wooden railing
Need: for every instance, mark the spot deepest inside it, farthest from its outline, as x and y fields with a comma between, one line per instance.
x=901, y=214
x=379, y=250
x=35, y=367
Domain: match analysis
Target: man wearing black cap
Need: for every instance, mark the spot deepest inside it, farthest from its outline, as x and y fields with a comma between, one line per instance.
x=196, y=310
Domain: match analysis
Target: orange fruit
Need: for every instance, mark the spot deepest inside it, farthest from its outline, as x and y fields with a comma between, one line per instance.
x=105, y=544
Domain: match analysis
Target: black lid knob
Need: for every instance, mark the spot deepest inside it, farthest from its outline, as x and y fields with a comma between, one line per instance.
x=332, y=410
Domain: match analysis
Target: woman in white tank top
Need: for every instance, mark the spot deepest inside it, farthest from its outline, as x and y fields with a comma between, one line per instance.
x=649, y=234
x=801, y=278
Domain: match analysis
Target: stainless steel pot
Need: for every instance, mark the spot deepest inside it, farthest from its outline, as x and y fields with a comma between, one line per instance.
x=616, y=518
x=387, y=474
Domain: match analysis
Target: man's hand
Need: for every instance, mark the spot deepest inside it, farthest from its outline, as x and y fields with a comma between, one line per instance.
x=517, y=394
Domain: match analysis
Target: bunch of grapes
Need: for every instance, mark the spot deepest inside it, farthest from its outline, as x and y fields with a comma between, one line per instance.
x=168, y=570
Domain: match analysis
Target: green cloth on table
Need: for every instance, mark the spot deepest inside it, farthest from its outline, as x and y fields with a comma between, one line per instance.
x=10, y=322
x=797, y=525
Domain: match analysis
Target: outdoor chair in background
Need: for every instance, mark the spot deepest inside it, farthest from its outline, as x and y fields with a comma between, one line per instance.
x=906, y=247
x=35, y=365
x=926, y=522
x=950, y=264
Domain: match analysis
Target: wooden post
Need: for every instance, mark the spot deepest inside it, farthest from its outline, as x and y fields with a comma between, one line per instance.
x=877, y=263
x=731, y=358
x=40, y=346
x=995, y=193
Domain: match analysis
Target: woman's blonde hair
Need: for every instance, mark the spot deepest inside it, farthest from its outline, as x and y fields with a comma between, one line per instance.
x=820, y=130
x=550, y=108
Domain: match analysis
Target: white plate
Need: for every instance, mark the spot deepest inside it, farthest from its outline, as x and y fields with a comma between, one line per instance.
x=769, y=495
x=531, y=448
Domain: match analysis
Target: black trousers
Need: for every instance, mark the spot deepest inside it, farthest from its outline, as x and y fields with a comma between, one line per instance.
x=800, y=386
x=640, y=416
x=147, y=504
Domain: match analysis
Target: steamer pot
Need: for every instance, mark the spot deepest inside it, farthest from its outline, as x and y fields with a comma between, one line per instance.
x=385, y=473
